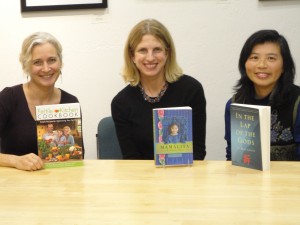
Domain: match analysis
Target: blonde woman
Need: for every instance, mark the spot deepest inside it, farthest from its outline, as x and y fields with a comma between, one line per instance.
x=155, y=80
x=69, y=137
x=41, y=60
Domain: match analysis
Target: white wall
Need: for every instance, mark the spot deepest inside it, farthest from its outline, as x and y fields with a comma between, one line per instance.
x=208, y=35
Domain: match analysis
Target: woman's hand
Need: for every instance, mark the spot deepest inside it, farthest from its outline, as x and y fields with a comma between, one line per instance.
x=29, y=162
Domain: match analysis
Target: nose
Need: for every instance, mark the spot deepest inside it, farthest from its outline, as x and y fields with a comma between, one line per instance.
x=150, y=55
x=46, y=67
x=262, y=63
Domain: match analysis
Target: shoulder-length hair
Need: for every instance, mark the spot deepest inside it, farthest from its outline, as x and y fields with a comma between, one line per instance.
x=33, y=40
x=244, y=86
x=153, y=27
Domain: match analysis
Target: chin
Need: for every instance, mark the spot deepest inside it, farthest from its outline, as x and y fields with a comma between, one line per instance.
x=50, y=84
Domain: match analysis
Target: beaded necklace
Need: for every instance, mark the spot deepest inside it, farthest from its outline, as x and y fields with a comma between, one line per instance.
x=153, y=99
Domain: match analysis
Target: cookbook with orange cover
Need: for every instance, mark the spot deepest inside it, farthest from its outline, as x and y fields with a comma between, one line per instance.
x=59, y=133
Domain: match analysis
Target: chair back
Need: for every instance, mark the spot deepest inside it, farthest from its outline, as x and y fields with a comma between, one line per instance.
x=107, y=142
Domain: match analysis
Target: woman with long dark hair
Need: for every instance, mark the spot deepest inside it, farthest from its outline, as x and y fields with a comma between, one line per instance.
x=267, y=78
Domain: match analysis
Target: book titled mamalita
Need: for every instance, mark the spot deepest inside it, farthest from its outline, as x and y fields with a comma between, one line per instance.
x=250, y=136
x=60, y=142
x=173, y=136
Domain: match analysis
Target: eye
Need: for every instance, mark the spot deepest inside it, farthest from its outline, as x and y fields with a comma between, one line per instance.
x=52, y=60
x=157, y=50
x=253, y=57
x=142, y=51
x=37, y=63
x=271, y=58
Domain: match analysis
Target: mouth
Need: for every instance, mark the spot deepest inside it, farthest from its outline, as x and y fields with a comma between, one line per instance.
x=48, y=76
x=150, y=66
x=262, y=75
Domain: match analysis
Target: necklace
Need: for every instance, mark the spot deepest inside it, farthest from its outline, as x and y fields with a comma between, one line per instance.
x=153, y=99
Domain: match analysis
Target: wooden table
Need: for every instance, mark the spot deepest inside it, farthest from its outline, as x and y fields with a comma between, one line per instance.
x=135, y=192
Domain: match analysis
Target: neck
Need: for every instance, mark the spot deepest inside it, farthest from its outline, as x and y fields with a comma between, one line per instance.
x=263, y=92
x=153, y=87
x=40, y=95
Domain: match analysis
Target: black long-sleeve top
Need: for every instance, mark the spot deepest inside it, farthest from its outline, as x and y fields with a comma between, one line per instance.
x=133, y=117
x=18, y=132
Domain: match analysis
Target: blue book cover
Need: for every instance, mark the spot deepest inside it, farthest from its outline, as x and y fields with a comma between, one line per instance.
x=173, y=136
x=250, y=136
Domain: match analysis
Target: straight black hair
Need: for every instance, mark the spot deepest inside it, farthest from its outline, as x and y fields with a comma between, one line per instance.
x=244, y=87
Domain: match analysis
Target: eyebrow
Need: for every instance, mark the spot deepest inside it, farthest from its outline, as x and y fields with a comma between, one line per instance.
x=276, y=54
x=50, y=57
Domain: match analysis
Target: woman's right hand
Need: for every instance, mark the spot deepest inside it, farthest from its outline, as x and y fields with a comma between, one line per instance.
x=28, y=162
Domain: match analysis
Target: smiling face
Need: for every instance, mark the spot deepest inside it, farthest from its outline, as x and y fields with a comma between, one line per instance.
x=59, y=133
x=45, y=65
x=150, y=57
x=174, y=129
x=50, y=128
x=264, y=67
x=67, y=130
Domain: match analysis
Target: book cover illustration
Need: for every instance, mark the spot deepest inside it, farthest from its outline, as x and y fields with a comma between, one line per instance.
x=173, y=137
x=250, y=136
x=59, y=135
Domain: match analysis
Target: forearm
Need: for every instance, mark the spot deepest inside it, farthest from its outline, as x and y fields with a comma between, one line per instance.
x=199, y=125
x=7, y=160
x=228, y=151
x=123, y=130
x=199, y=151
x=127, y=144
x=227, y=136
x=199, y=134
x=128, y=147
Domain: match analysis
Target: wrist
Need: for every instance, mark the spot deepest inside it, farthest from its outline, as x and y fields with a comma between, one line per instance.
x=8, y=160
x=13, y=160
